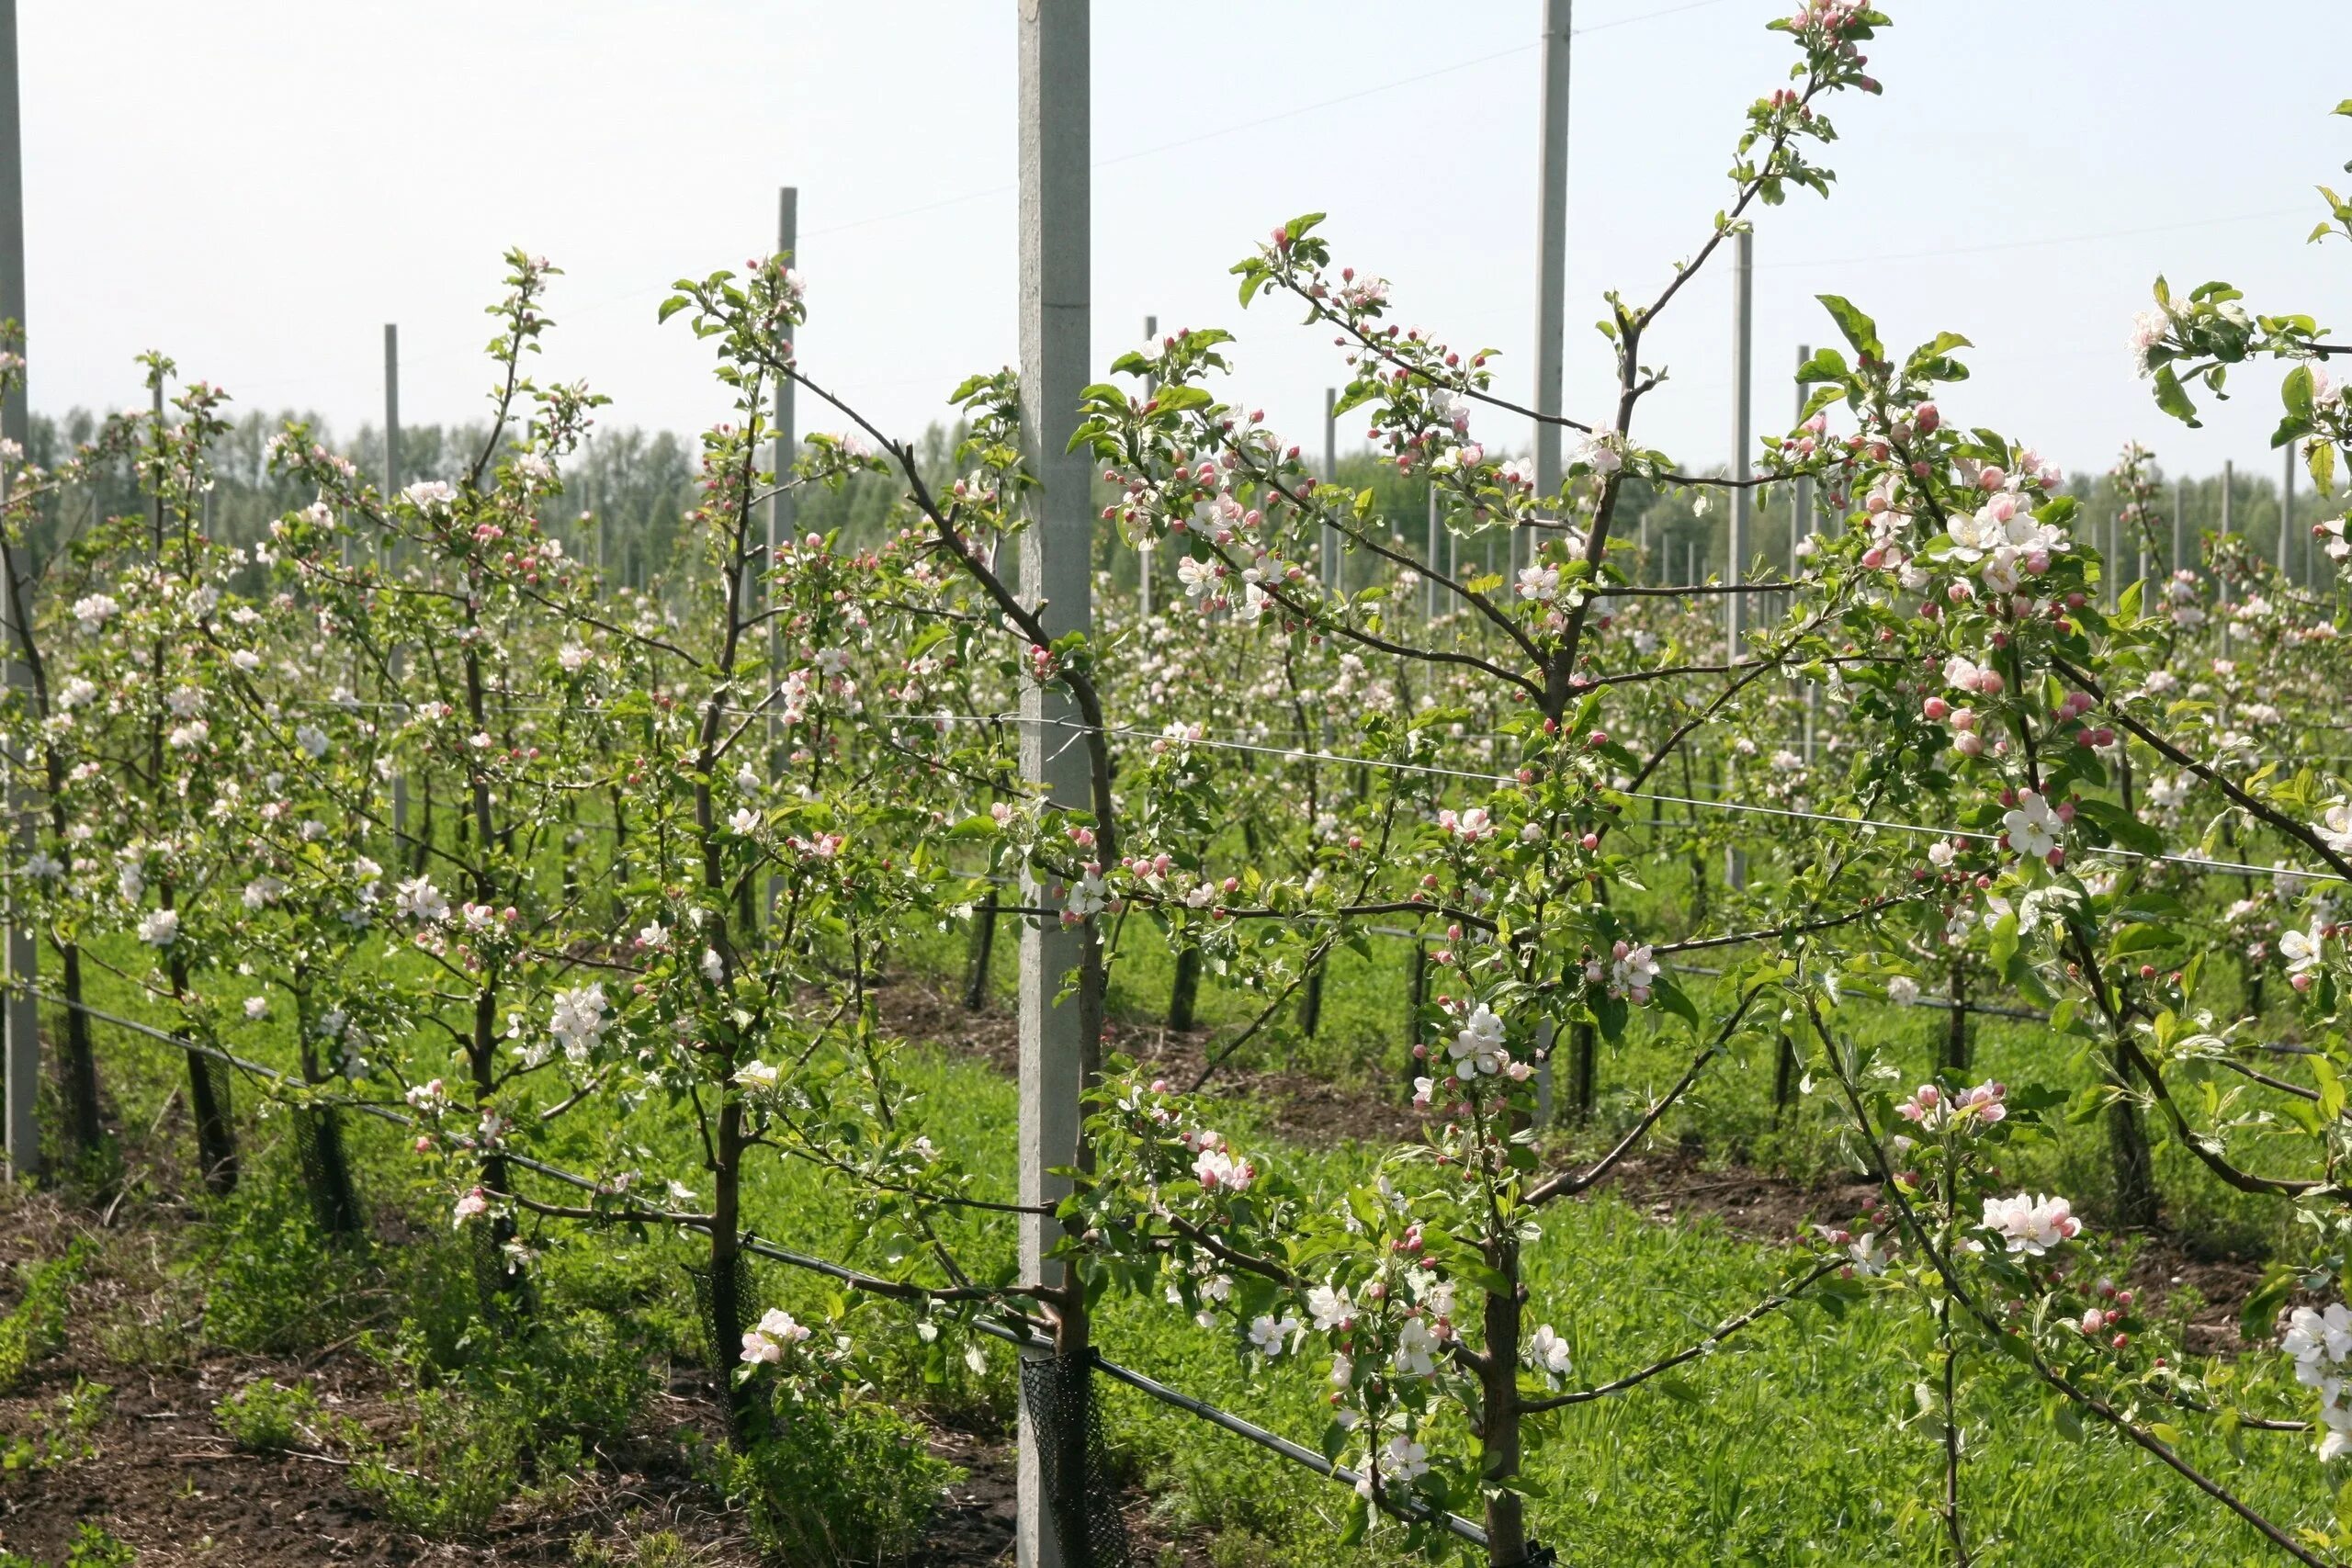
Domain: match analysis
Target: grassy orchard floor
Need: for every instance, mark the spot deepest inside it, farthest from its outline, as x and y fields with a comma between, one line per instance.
x=1785, y=1449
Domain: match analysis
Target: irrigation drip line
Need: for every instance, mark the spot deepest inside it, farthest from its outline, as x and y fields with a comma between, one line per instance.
x=2195, y=863
x=1274, y=1442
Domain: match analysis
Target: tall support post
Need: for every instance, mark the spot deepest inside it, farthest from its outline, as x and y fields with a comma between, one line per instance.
x=22, y=1023
x=1801, y=523
x=1800, y=496
x=392, y=477
x=783, y=510
x=1429, y=578
x=2229, y=494
x=1743, y=344
x=2180, y=519
x=1552, y=260
x=2285, y=504
x=1330, y=561
x=1146, y=551
x=1055, y=574
x=2221, y=579
x=1743, y=329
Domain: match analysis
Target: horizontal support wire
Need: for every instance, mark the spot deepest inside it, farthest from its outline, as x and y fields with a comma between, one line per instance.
x=1012, y=1333
x=2195, y=863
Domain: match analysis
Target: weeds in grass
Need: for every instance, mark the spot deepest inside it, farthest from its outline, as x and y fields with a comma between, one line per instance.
x=268, y=1417
x=37, y=1327
x=92, y=1548
x=841, y=1485
x=55, y=1443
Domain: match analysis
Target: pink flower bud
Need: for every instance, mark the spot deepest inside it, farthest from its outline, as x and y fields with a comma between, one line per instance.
x=1936, y=707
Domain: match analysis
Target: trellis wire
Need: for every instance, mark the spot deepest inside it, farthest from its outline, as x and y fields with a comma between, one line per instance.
x=2195, y=863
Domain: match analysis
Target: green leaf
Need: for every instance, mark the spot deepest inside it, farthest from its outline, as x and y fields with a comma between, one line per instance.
x=2122, y=827
x=2257, y=1320
x=1175, y=399
x=2331, y=1088
x=2295, y=392
x=1826, y=365
x=671, y=306
x=1859, y=329
x=2173, y=400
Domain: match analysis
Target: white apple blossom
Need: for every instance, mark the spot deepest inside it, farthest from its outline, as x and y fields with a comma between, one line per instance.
x=1269, y=1334
x=2031, y=1225
x=2033, y=828
x=577, y=1022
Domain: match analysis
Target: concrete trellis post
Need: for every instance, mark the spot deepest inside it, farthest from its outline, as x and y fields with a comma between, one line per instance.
x=22, y=1028
x=384, y=552
x=1800, y=524
x=1743, y=344
x=1055, y=577
x=1743, y=334
x=1551, y=258
x=1429, y=579
x=782, y=507
x=2285, y=504
x=2180, y=519
x=1147, y=556
x=1330, y=561
x=2221, y=579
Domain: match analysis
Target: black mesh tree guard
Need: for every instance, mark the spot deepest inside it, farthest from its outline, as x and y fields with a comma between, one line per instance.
x=723, y=1336
x=326, y=1170
x=1073, y=1464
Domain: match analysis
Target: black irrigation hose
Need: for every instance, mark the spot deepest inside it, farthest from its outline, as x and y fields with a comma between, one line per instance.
x=1274, y=1442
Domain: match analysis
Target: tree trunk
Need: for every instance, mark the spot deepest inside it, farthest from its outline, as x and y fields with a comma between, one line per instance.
x=1420, y=986
x=983, y=951
x=1185, y=993
x=330, y=1166
x=1784, y=1079
x=1310, y=1004
x=2136, y=1175
x=82, y=1118
x=1955, y=1049
x=208, y=1096
x=727, y=1309
x=1499, y=1417
x=1584, y=1052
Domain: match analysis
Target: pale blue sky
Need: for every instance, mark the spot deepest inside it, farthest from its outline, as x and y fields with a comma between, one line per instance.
x=255, y=185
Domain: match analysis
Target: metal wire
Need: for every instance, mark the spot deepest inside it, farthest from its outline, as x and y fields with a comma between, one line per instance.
x=2196, y=863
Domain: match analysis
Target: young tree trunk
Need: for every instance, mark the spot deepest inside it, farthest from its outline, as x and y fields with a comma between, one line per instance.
x=1784, y=1079
x=1185, y=993
x=982, y=952
x=727, y=1309
x=1420, y=990
x=1584, y=1053
x=1310, y=1003
x=330, y=1174
x=82, y=1118
x=208, y=1096
x=1955, y=1056
x=1499, y=1445
x=498, y=1285
x=2136, y=1175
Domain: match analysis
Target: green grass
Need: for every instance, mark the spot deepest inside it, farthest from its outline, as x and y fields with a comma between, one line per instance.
x=1793, y=1451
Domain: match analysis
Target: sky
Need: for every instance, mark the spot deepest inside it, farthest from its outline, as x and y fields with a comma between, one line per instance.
x=256, y=187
